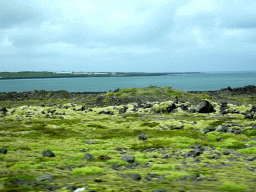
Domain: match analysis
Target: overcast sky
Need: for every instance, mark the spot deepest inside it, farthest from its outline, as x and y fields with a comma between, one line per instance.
x=128, y=35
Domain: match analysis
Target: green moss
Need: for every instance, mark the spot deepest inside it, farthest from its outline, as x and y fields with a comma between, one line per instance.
x=250, y=133
x=163, y=167
x=87, y=170
x=216, y=123
x=213, y=136
x=32, y=135
x=15, y=177
x=231, y=143
x=111, y=132
x=176, y=175
x=141, y=145
x=233, y=187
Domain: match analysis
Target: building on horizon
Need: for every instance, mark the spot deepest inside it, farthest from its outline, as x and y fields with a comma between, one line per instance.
x=101, y=73
x=79, y=73
x=63, y=72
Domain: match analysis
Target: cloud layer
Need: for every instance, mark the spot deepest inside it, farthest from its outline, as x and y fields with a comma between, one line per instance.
x=135, y=35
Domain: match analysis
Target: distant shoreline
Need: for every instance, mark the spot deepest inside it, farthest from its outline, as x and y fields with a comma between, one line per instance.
x=96, y=75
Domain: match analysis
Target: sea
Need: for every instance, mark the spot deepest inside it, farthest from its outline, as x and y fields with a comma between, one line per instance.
x=205, y=81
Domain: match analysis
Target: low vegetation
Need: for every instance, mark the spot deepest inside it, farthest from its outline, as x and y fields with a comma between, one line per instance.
x=29, y=128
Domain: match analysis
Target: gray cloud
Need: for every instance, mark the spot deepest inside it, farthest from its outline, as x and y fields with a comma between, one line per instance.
x=128, y=35
x=17, y=13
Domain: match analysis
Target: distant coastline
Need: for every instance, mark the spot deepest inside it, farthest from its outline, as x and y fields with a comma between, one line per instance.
x=42, y=75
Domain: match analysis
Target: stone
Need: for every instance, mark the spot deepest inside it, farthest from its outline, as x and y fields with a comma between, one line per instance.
x=221, y=128
x=142, y=137
x=208, y=129
x=128, y=158
x=48, y=153
x=89, y=142
x=45, y=178
x=3, y=150
x=175, y=100
x=253, y=109
x=152, y=176
x=3, y=109
x=204, y=107
x=135, y=177
x=85, y=149
x=123, y=110
x=88, y=156
x=175, y=127
x=170, y=108
x=103, y=157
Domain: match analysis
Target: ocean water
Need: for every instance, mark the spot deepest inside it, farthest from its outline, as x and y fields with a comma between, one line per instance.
x=206, y=81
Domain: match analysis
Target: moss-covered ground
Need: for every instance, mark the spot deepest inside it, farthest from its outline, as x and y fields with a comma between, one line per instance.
x=26, y=133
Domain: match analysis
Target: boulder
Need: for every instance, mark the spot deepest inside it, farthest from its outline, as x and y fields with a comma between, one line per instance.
x=123, y=110
x=45, y=178
x=249, y=115
x=3, y=109
x=142, y=137
x=170, y=108
x=224, y=108
x=221, y=128
x=175, y=100
x=59, y=113
x=48, y=153
x=147, y=105
x=88, y=156
x=253, y=109
x=115, y=101
x=89, y=142
x=152, y=176
x=103, y=157
x=204, y=107
x=135, y=177
x=175, y=127
x=208, y=129
x=128, y=158
x=3, y=150
x=100, y=98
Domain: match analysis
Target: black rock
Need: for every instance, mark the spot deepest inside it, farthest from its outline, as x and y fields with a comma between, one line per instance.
x=48, y=153
x=208, y=129
x=142, y=137
x=88, y=156
x=152, y=176
x=205, y=107
x=3, y=150
x=175, y=100
x=123, y=110
x=170, y=108
x=3, y=109
x=253, y=109
x=135, y=177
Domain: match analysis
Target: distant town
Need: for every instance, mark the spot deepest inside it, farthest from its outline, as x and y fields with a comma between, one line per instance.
x=70, y=74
